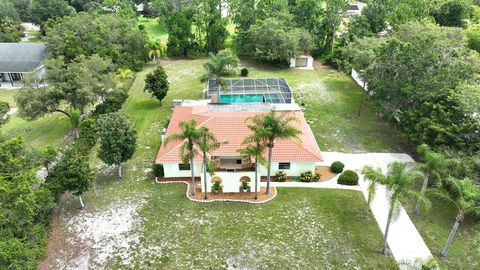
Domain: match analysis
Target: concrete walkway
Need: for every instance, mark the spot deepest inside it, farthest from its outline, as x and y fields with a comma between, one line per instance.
x=404, y=240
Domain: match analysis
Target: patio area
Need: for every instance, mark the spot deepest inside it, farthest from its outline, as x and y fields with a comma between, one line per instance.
x=247, y=197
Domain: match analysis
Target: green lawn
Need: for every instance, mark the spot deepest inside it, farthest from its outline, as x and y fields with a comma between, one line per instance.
x=48, y=130
x=435, y=227
x=331, y=100
x=154, y=29
x=304, y=229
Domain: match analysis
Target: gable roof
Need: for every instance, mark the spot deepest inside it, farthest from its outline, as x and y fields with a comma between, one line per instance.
x=21, y=57
x=231, y=126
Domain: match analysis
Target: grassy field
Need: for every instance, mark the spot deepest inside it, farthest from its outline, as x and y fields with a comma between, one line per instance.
x=435, y=227
x=134, y=223
x=154, y=29
x=48, y=130
x=331, y=100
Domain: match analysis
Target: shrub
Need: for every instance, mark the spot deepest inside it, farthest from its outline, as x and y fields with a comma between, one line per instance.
x=158, y=170
x=244, y=185
x=308, y=176
x=88, y=134
x=337, y=167
x=217, y=187
x=349, y=178
x=280, y=176
x=244, y=72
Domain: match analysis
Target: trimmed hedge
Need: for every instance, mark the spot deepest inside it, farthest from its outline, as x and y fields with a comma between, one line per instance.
x=280, y=176
x=308, y=176
x=244, y=72
x=349, y=178
x=337, y=167
x=158, y=170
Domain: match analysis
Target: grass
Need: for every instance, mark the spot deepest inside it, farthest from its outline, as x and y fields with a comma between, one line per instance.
x=435, y=227
x=40, y=133
x=302, y=228
x=331, y=100
x=155, y=30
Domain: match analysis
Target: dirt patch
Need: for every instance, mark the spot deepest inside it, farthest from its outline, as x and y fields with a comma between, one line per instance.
x=53, y=244
x=325, y=172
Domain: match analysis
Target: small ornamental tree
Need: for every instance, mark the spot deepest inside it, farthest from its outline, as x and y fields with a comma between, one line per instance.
x=73, y=172
x=117, y=139
x=156, y=83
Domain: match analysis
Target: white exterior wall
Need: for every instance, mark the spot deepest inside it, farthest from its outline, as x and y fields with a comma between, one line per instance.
x=171, y=170
x=296, y=168
x=293, y=62
x=231, y=181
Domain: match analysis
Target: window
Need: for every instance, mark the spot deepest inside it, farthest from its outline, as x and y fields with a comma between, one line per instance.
x=239, y=161
x=184, y=167
x=284, y=166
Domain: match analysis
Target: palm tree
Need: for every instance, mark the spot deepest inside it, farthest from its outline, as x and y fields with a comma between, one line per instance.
x=464, y=195
x=156, y=49
x=432, y=164
x=269, y=127
x=220, y=65
x=400, y=181
x=254, y=148
x=207, y=142
x=190, y=134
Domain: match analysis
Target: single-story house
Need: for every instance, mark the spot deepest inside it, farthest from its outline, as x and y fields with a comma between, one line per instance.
x=355, y=9
x=228, y=123
x=19, y=59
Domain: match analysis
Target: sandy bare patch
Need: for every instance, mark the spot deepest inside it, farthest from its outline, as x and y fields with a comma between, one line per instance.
x=96, y=238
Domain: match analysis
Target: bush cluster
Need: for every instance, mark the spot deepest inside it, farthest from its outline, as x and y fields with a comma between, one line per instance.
x=112, y=103
x=309, y=177
x=337, y=167
x=349, y=178
x=280, y=176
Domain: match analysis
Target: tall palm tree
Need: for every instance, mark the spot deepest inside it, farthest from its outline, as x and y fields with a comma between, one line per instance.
x=466, y=200
x=269, y=127
x=431, y=167
x=400, y=181
x=254, y=148
x=190, y=134
x=156, y=49
x=220, y=65
x=207, y=142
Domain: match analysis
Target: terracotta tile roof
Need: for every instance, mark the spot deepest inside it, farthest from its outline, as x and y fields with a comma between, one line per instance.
x=231, y=127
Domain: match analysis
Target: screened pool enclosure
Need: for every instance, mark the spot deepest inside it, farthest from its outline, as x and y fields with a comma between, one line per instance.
x=264, y=90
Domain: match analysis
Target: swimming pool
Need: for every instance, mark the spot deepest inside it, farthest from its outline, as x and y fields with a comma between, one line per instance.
x=245, y=98
x=241, y=98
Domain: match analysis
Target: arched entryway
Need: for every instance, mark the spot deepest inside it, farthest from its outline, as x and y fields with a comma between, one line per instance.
x=216, y=184
x=247, y=180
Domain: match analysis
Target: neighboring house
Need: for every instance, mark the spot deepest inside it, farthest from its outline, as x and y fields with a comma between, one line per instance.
x=19, y=59
x=355, y=9
x=228, y=123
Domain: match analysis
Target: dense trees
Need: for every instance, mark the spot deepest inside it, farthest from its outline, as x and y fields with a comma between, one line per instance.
x=156, y=83
x=109, y=35
x=44, y=10
x=25, y=206
x=415, y=79
x=78, y=84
